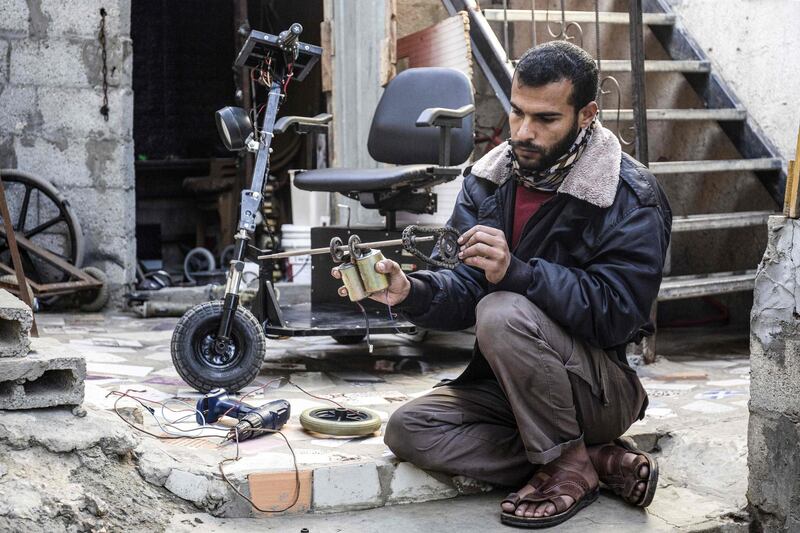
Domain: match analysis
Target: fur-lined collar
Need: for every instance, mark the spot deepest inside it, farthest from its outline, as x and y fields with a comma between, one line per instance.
x=594, y=178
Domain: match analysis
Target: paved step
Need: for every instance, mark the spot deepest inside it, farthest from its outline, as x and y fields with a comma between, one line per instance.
x=678, y=287
x=624, y=65
x=716, y=165
x=730, y=114
x=606, y=17
x=720, y=220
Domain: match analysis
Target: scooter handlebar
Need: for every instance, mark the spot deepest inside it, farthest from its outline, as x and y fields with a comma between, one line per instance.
x=288, y=38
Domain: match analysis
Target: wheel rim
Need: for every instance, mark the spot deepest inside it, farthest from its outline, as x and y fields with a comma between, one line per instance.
x=340, y=414
x=210, y=355
x=41, y=215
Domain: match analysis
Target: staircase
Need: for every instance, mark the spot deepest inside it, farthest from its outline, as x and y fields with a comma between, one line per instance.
x=685, y=58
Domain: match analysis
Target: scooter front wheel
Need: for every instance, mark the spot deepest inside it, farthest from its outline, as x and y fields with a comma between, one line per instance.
x=204, y=363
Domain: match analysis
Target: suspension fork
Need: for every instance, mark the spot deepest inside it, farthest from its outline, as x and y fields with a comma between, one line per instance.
x=250, y=205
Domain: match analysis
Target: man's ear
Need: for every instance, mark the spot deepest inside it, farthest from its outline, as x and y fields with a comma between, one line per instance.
x=587, y=114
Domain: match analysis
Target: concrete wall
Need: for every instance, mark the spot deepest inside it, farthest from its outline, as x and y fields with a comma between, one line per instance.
x=50, y=121
x=754, y=45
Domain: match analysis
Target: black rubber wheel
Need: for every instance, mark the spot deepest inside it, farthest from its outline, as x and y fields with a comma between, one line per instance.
x=349, y=339
x=198, y=261
x=97, y=299
x=340, y=422
x=197, y=359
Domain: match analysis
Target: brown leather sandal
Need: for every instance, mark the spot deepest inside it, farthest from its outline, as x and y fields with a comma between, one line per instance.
x=554, y=484
x=622, y=480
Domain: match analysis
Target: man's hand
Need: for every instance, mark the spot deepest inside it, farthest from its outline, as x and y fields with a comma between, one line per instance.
x=486, y=248
x=399, y=285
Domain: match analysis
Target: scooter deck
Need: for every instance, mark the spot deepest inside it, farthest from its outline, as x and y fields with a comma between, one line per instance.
x=335, y=319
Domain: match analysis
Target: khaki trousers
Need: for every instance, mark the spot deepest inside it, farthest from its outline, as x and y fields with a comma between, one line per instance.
x=550, y=391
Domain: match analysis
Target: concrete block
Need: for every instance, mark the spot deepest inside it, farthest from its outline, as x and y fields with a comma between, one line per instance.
x=77, y=111
x=50, y=375
x=411, y=484
x=20, y=113
x=273, y=491
x=347, y=487
x=15, y=326
x=14, y=17
x=53, y=62
x=70, y=19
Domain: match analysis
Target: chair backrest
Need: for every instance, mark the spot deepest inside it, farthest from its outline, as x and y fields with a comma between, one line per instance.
x=394, y=137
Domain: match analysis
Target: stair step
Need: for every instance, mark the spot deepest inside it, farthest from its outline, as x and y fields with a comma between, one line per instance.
x=678, y=287
x=678, y=114
x=624, y=65
x=716, y=165
x=606, y=17
x=739, y=219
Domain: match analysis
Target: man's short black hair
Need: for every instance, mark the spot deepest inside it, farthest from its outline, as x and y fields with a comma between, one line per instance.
x=556, y=61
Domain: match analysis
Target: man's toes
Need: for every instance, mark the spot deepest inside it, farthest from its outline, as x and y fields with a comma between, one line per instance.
x=521, y=508
x=508, y=507
x=644, y=471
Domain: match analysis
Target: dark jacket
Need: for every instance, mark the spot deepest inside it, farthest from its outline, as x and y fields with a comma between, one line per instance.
x=593, y=268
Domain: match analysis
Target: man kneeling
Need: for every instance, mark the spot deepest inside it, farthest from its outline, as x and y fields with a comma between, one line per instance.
x=563, y=245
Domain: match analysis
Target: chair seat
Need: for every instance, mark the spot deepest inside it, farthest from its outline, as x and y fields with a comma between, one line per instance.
x=346, y=180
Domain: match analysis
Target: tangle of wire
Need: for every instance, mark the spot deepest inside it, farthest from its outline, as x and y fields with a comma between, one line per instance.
x=231, y=435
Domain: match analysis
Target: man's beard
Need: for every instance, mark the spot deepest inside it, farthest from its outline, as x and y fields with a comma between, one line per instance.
x=549, y=156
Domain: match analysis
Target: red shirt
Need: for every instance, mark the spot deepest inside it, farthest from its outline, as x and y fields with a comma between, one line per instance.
x=526, y=203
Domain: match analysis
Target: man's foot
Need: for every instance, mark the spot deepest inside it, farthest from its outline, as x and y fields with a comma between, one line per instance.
x=558, y=488
x=626, y=470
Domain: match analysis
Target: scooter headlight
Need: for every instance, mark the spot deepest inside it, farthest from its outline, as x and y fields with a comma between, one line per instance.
x=234, y=127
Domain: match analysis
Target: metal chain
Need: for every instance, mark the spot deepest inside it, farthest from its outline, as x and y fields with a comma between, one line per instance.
x=102, y=37
x=447, y=242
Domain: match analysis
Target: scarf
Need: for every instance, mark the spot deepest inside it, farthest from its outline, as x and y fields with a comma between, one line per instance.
x=550, y=179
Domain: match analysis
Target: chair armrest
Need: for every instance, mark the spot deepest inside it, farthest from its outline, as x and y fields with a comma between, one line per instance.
x=440, y=116
x=317, y=124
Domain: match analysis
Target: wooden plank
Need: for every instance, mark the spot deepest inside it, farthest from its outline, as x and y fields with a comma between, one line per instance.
x=445, y=44
x=554, y=15
x=326, y=42
x=678, y=287
x=715, y=165
x=732, y=114
x=738, y=219
x=793, y=182
x=624, y=65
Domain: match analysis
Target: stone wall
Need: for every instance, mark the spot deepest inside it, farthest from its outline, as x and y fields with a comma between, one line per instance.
x=774, y=432
x=51, y=126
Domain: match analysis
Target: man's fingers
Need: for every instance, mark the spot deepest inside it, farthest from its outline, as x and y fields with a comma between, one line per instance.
x=342, y=291
x=481, y=236
x=474, y=229
x=335, y=273
x=478, y=262
x=480, y=250
x=387, y=266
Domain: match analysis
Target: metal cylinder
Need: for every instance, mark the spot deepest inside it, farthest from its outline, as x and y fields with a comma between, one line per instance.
x=352, y=281
x=374, y=281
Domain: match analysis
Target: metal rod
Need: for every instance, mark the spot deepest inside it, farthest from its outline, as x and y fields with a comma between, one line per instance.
x=505, y=29
x=637, y=75
x=362, y=246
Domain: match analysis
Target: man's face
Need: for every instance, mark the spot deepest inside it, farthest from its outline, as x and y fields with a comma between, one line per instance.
x=543, y=123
